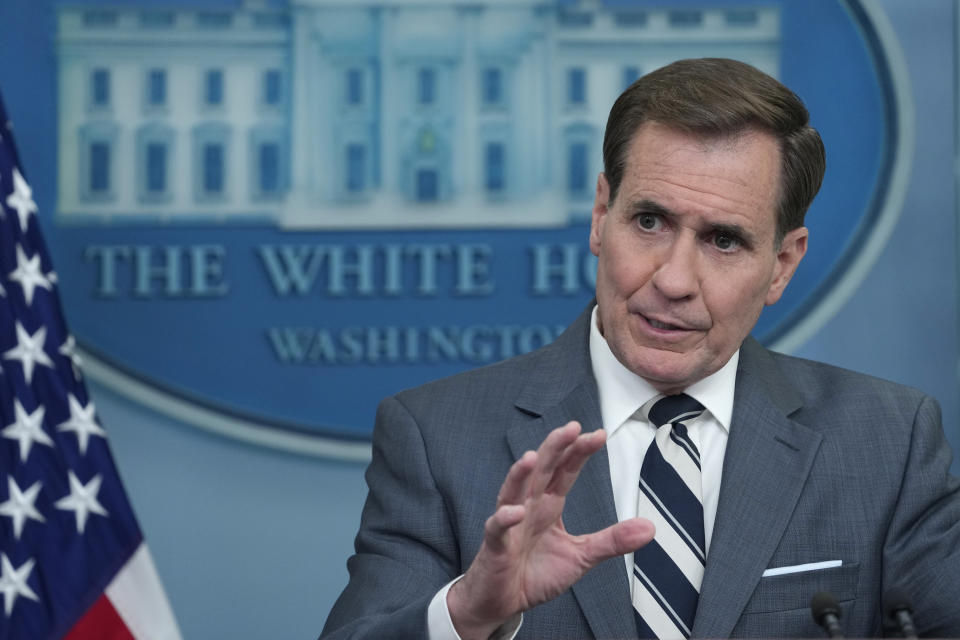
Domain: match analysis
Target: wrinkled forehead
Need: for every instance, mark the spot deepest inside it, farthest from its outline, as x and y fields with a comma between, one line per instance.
x=705, y=139
x=743, y=156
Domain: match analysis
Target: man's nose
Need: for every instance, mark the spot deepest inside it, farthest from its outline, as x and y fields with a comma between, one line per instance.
x=677, y=277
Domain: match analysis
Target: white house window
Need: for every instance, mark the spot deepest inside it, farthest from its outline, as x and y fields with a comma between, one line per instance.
x=213, y=168
x=98, y=161
x=426, y=86
x=100, y=88
x=685, y=18
x=157, y=19
x=213, y=87
x=630, y=19
x=354, y=88
x=268, y=163
x=156, y=87
x=577, y=168
x=491, y=86
x=272, y=87
x=576, y=86
x=575, y=19
x=428, y=185
x=214, y=20
x=210, y=161
x=356, y=168
x=96, y=18
x=494, y=164
x=154, y=155
x=273, y=20
x=156, y=168
x=741, y=17
x=269, y=157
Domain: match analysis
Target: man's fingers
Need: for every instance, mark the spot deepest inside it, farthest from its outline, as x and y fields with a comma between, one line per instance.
x=499, y=523
x=616, y=540
x=551, y=453
x=555, y=464
x=516, y=484
x=574, y=458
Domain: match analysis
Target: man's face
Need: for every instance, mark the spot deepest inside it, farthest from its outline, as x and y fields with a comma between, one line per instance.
x=687, y=251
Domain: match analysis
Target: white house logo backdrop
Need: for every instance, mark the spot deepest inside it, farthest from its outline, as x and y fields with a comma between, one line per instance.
x=269, y=215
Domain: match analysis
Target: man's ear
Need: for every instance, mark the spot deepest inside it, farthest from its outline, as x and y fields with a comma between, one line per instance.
x=601, y=201
x=791, y=252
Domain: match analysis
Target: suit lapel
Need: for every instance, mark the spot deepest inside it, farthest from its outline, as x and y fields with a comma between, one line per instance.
x=767, y=461
x=603, y=593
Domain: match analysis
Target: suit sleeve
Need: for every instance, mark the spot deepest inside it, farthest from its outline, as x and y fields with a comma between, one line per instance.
x=922, y=549
x=406, y=550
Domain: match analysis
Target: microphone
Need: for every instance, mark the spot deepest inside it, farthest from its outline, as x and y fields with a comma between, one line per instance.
x=896, y=607
x=826, y=613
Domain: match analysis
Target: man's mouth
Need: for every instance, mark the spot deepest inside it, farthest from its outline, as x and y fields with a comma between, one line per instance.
x=656, y=324
x=660, y=325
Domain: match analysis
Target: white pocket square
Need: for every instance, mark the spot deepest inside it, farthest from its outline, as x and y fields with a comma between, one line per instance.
x=798, y=568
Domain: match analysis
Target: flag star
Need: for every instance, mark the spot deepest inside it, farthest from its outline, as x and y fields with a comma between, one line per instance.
x=53, y=277
x=82, y=423
x=13, y=583
x=27, y=429
x=21, y=199
x=29, y=350
x=69, y=349
x=82, y=500
x=28, y=274
x=19, y=505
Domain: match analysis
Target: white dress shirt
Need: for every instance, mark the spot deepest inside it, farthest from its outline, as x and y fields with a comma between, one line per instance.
x=629, y=434
x=622, y=392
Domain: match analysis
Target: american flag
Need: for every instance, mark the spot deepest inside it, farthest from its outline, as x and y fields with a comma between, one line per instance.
x=73, y=563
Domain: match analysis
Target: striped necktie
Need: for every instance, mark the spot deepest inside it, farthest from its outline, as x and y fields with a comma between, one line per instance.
x=669, y=570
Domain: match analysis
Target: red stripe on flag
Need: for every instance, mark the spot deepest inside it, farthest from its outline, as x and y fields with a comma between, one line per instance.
x=101, y=622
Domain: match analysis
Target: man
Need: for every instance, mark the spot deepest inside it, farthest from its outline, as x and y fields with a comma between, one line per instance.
x=779, y=478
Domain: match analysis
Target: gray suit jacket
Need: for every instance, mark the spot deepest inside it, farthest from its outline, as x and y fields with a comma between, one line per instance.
x=821, y=464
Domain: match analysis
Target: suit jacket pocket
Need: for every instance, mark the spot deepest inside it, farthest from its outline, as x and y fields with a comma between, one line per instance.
x=795, y=590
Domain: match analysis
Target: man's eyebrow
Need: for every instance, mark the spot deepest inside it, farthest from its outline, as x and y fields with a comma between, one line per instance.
x=650, y=206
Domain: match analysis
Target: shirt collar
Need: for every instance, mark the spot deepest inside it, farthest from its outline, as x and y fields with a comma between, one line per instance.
x=622, y=391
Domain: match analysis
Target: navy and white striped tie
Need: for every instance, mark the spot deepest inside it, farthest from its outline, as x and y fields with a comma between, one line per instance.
x=669, y=570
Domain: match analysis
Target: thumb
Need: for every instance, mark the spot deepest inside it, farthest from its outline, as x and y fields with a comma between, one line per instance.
x=616, y=540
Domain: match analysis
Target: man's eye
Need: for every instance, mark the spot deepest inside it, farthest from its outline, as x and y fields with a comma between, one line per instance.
x=726, y=242
x=648, y=221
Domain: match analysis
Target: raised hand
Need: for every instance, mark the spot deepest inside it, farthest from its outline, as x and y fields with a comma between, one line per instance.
x=527, y=556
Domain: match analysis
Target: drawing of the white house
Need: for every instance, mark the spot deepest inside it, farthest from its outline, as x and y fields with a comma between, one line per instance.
x=329, y=114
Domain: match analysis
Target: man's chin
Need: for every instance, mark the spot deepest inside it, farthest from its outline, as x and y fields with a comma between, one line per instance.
x=668, y=387
x=662, y=374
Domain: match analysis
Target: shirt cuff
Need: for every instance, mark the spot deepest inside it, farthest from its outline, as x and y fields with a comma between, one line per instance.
x=440, y=626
